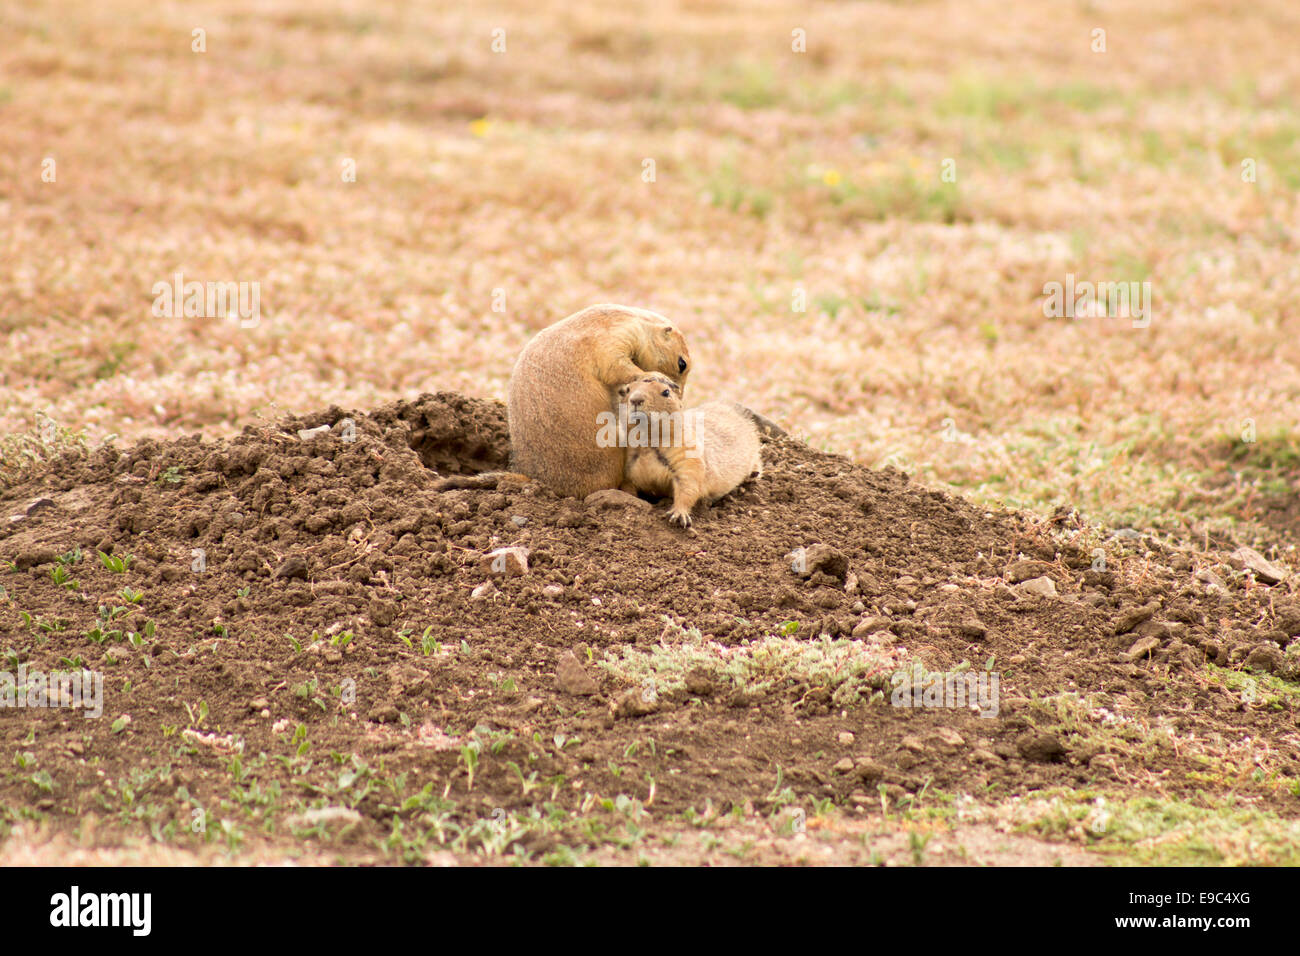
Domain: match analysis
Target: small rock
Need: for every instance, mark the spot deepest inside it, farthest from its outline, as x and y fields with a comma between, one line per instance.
x=1251, y=560
x=869, y=625
x=519, y=520
x=611, y=498
x=383, y=714
x=845, y=739
x=1040, y=587
x=893, y=791
x=1288, y=619
x=980, y=755
x=1023, y=571
x=819, y=558
x=382, y=612
x=1099, y=579
x=511, y=562
x=258, y=704
x=33, y=558
x=844, y=765
x=1142, y=648
x=572, y=678
x=633, y=703
x=483, y=591
x=37, y=505
x=292, y=567
x=1041, y=748
x=913, y=744
x=949, y=739
x=1153, y=628
x=868, y=770
x=552, y=591
x=406, y=679
x=307, y=434
x=699, y=683
x=1265, y=657
x=1209, y=578
x=1133, y=616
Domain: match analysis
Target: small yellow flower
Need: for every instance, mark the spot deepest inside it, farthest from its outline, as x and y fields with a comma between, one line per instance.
x=832, y=177
x=480, y=127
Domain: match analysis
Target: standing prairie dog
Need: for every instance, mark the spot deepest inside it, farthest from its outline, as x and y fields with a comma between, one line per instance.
x=692, y=454
x=562, y=388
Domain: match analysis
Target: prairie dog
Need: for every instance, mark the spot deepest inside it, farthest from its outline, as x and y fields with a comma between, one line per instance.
x=692, y=454
x=563, y=382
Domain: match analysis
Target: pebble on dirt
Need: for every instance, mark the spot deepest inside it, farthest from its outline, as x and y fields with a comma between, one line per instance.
x=510, y=562
x=1265, y=571
x=1040, y=748
x=613, y=498
x=1040, y=586
x=292, y=567
x=572, y=678
x=1142, y=648
x=820, y=558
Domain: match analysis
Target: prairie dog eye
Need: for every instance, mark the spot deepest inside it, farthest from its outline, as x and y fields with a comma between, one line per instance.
x=665, y=393
x=681, y=365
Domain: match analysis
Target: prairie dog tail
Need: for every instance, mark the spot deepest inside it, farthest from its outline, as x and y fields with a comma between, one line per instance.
x=765, y=425
x=486, y=480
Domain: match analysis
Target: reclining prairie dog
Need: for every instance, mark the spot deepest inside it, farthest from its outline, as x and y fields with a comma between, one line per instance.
x=692, y=454
x=562, y=388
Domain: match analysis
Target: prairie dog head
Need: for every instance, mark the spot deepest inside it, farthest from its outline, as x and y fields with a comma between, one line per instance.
x=663, y=349
x=653, y=393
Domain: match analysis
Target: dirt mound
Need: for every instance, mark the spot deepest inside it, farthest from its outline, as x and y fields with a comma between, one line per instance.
x=301, y=639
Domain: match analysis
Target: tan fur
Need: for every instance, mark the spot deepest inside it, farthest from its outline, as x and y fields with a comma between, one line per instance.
x=564, y=381
x=697, y=454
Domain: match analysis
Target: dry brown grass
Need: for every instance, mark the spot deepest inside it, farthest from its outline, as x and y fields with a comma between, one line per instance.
x=521, y=171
